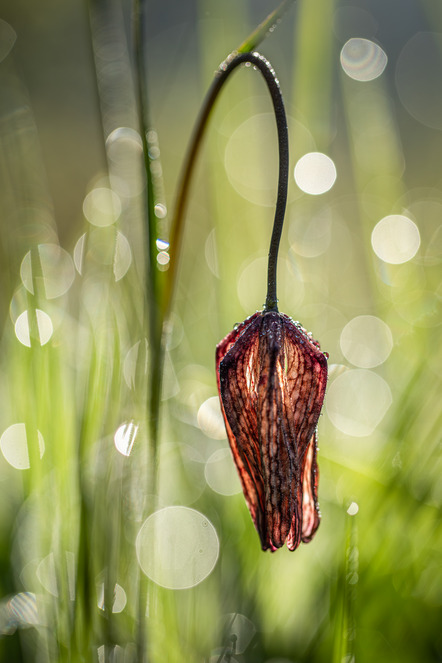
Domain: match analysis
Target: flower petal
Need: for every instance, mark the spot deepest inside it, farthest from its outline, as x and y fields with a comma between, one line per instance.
x=271, y=380
x=237, y=389
x=310, y=476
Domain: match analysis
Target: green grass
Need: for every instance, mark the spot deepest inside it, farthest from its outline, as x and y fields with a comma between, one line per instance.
x=368, y=587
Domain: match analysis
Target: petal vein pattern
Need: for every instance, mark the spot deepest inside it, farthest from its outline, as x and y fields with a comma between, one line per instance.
x=271, y=381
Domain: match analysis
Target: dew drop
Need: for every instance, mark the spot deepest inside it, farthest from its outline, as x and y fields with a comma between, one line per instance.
x=353, y=509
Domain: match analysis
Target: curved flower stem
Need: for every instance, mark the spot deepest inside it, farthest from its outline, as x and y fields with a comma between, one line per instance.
x=176, y=233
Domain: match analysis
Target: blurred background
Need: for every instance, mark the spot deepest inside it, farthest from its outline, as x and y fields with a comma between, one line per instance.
x=86, y=574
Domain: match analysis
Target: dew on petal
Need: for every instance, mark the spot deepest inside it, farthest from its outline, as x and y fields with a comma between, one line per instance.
x=24, y=330
x=395, y=239
x=102, y=207
x=14, y=445
x=125, y=436
x=357, y=401
x=362, y=59
x=315, y=173
x=366, y=341
x=177, y=547
x=210, y=419
x=57, y=270
x=221, y=474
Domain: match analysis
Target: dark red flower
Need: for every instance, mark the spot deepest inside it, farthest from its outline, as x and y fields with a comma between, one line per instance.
x=271, y=381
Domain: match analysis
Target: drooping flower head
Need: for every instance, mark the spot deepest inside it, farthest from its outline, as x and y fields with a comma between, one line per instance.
x=271, y=380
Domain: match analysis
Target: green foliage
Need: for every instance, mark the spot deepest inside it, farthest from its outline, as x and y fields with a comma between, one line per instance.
x=86, y=376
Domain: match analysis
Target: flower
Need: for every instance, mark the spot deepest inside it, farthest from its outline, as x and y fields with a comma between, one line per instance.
x=271, y=381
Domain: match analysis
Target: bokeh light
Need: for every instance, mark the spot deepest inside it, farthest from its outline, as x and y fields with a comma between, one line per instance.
x=136, y=361
x=418, y=78
x=104, y=247
x=315, y=173
x=251, y=155
x=210, y=419
x=243, y=163
x=366, y=341
x=395, y=239
x=14, y=445
x=362, y=59
x=122, y=256
x=124, y=150
x=177, y=547
x=43, y=332
x=23, y=610
x=119, y=598
x=8, y=38
x=239, y=628
x=353, y=509
x=57, y=270
x=125, y=436
x=49, y=575
x=357, y=401
x=102, y=207
x=221, y=474
x=181, y=474
x=310, y=235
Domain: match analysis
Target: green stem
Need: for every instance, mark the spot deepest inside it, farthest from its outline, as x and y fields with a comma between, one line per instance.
x=176, y=235
x=154, y=297
x=152, y=274
x=265, y=28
